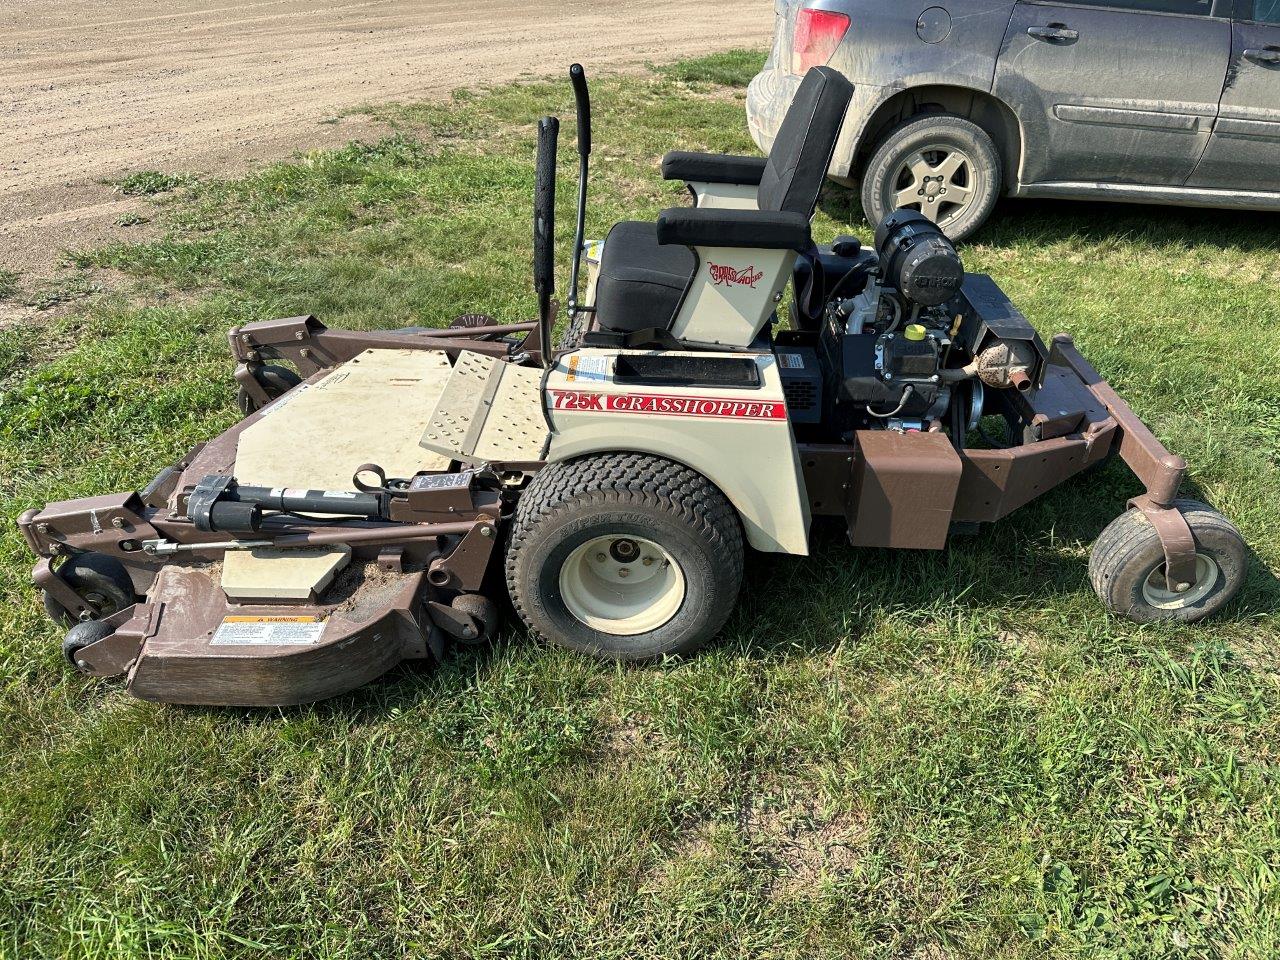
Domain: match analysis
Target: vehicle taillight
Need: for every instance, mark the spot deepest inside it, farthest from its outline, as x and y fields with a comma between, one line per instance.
x=817, y=34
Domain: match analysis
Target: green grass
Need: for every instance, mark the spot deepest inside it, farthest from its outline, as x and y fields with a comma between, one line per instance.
x=9, y=285
x=888, y=755
x=149, y=182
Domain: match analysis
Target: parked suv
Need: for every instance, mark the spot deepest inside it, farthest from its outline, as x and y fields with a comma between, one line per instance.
x=959, y=101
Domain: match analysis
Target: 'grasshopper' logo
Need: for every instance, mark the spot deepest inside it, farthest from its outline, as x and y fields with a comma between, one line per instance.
x=725, y=276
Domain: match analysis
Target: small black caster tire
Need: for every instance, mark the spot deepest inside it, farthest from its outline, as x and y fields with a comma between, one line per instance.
x=275, y=380
x=81, y=636
x=1126, y=567
x=484, y=612
x=101, y=581
x=624, y=557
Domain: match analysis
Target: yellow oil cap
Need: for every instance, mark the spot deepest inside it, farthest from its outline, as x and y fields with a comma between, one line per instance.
x=914, y=331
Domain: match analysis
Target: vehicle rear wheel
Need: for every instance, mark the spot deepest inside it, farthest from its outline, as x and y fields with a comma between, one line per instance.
x=1127, y=566
x=940, y=164
x=624, y=557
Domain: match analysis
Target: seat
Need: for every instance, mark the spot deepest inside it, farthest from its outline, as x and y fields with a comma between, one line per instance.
x=641, y=281
x=646, y=269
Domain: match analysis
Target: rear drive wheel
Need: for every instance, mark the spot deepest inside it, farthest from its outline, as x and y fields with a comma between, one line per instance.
x=102, y=583
x=942, y=165
x=625, y=557
x=1127, y=567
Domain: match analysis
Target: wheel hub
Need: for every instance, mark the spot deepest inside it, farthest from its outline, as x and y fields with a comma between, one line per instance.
x=938, y=181
x=622, y=585
x=1156, y=592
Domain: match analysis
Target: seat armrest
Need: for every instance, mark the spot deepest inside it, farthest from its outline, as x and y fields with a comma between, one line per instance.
x=713, y=168
x=754, y=229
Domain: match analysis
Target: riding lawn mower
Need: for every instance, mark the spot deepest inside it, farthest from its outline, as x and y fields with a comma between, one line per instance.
x=385, y=488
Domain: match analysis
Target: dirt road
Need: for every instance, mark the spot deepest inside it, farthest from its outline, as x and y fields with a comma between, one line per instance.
x=91, y=90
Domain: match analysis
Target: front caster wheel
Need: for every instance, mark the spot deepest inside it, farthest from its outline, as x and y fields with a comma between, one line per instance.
x=81, y=636
x=101, y=582
x=274, y=379
x=624, y=557
x=1127, y=567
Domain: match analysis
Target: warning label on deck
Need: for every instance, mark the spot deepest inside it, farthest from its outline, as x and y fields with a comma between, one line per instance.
x=268, y=631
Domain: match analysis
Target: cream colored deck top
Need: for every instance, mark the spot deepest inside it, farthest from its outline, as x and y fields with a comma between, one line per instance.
x=373, y=409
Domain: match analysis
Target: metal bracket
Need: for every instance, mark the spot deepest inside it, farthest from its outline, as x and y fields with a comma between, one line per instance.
x=465, y=565
x=1176, y=539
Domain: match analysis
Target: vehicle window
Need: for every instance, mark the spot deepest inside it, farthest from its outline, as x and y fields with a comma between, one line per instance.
x=1193, y=7
x=1264, y=11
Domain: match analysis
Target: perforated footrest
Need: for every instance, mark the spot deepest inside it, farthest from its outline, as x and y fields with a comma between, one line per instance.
x=490, y=411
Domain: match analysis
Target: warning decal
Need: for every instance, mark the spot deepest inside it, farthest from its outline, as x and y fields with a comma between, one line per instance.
x=666, y=405
x=268, y=631
x=588, y=368
x=791, y=361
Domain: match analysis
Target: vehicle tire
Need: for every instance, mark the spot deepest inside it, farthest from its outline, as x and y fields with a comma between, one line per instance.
x=940, y=164
x=101, y=581
x=483, y=611
x=276, y=381
x=1126, y=567
x=81, y=636
x=672, y=556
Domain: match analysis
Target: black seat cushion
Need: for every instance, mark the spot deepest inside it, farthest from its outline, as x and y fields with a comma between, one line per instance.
x=641, y=281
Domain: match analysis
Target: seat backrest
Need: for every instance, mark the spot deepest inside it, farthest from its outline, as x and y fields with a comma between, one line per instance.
x=805, y=142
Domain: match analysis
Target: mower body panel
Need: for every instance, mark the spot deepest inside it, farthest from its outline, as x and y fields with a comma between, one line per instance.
x=204, y=649
x=730, y=427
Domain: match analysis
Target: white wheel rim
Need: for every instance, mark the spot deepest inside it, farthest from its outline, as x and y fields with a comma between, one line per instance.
x=1156, y=592
x=621, y=585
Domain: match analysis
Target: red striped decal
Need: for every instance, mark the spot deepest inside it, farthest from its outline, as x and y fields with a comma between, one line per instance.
x=666, y=405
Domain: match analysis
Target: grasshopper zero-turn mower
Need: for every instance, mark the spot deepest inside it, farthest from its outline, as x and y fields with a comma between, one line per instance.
x=382, y=486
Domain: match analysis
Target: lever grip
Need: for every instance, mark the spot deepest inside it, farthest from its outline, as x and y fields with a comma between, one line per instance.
x=578, y=77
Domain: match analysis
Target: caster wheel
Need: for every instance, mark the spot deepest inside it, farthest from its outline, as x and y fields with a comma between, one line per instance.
x=80, y=636
x=275, y=379
x=483, y=611
x=101, y=582
x=624, y=557
x=1127, y=567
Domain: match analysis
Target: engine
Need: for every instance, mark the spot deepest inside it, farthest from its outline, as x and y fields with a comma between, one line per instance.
x=921, y=343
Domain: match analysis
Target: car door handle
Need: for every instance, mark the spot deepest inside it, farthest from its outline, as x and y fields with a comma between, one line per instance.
x=1263, y=55
x=1054, y=33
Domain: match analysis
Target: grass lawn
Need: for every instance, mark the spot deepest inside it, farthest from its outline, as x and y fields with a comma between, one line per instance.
x=890, y=755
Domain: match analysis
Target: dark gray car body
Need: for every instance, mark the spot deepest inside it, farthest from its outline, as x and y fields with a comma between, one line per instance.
x=1082, y=100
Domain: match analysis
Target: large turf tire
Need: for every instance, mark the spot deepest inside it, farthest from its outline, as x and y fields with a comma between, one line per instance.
x=938, y=136
x=626, y=500
x=101, y=581
x=1126, y=567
